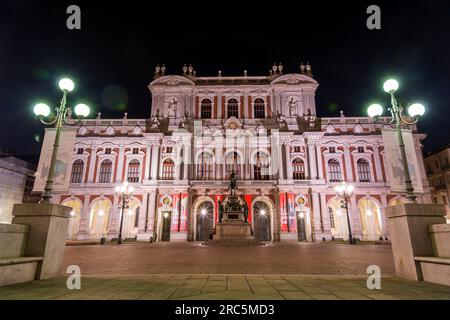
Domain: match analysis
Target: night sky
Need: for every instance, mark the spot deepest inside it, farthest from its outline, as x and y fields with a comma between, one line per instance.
x=112, y=58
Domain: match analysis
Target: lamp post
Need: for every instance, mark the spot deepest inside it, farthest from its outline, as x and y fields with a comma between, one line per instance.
x=62, y=117
x=125, y=193
x=415, y=111
x=345, y=192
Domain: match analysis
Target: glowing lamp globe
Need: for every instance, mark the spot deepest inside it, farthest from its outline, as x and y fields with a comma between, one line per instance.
x=203, y=212
x=390, y=86
x=416, y=110
x=263, y=212
x=375, y=110
x=41, y=110
x=130, y=189
x=66, y=84
x=82, y=110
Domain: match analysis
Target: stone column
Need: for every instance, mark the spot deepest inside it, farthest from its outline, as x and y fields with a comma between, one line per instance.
x=187, y=159
x=384, y=217
x=319, y=161
x=280, y=161
x=147, y=163
x=178, y=161
x=83, y=229
x=355, y=220
x=120, y=165
x=409, y=228
x=287, y=149
x=91, y=176
x=348, y=164
x=376, y=154
x=114, y=219
x=317, y=212
x=151, y=214
x=46, y=236
x=312, y=162
x=218, y=166
x=155, y=161
x=143, y=234
x=325, y=217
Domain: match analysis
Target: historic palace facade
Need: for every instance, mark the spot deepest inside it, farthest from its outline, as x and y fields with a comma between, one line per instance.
x=266, y=129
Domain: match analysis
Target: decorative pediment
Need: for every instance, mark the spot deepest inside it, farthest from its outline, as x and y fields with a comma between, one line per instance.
x=232, y=124
x=82, y=131
x=172, y=81
x=293, y=79
x=330, y=129
x=137, y=131
x=110, y=131
x=358, y=128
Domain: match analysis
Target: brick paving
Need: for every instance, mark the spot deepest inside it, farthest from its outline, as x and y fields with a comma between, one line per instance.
x=193, y=258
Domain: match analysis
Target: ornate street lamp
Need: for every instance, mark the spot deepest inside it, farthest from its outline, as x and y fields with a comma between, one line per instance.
x=125, y=193
x=415, y=111
x=345, y=192
x=63, y=116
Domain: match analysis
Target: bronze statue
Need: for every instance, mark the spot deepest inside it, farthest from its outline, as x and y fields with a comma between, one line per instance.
x=233, y=183
x=245, y=209
x=220, y=206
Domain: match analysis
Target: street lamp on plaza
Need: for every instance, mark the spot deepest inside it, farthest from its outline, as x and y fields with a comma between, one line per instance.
x=345, y=192
x=125, y=193
x=415, y=111
x=62, y=117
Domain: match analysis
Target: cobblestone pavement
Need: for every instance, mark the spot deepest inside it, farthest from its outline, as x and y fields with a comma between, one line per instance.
x=194, y=258
x=224, y=287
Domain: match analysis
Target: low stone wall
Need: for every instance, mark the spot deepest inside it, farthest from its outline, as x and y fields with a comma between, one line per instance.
x=12, y=240
x=440, y=239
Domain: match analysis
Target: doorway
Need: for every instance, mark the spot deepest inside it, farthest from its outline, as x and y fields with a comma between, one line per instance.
x=167, y=221
x=301, y=226
x=261, y=221
x=205, y=221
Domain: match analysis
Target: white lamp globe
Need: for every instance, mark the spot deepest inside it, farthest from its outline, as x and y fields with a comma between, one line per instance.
x=130, y=189
x=41, y=110
x=375, y=110
x=82, y=110
x=390, y=86
x=118, y=189
x=66, y=84
x=416, y=109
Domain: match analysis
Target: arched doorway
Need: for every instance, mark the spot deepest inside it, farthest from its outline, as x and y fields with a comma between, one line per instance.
x=370, y=215
x=205, y=220
x=337, y=215
x=99, y=219
x=74, y=218
x=131, y=219
x=261, y=221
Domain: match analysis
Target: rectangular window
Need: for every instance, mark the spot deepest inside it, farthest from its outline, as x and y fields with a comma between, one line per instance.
x=361, y=149
x=135, y=150
x=332, y=150
x=169, y=150
x=108, y=151
x=297, y=149
x=80, y=151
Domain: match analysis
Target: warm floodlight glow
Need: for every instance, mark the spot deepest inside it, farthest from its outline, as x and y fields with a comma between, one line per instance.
x=117, y=189
x=166, y=215
x=390, y=86
x=72, y=213
x=66, y=84
x=338, y=212
x=375, y=110
x=41, y=109
x=416, y=109
x=82, y=110
x=368, y=213
x=101, y=213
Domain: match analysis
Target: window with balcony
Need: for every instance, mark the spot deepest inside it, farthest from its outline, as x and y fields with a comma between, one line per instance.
x=334, y=170
x=133, y=171
x=168, y=169
x=105, y=171
x=298, y=169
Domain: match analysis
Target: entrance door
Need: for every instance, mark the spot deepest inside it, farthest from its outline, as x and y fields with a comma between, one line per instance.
x=167, y=221
x=261, y=221
x=205, y=221
x=301, y=227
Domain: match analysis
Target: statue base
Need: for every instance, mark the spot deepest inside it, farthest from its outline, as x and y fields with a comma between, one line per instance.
x=233, y=227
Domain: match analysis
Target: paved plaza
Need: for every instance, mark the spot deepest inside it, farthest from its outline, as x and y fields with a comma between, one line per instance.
x=194, y=258
x=193, y=271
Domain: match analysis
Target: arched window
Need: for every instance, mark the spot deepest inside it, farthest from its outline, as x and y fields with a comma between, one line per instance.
x=259, y=109
x=168, y=169
x=204, y=166
x=261, y=167
x=334, y=170
x=205, y=112
x=105, y=171
x=363, y=170
x=77, y=171
x=133, y=171
x=232, y=164
x=298, y=169
x=232, y=108
x=331, y=215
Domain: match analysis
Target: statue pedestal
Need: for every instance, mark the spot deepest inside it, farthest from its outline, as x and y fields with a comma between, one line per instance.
x=233, y=227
